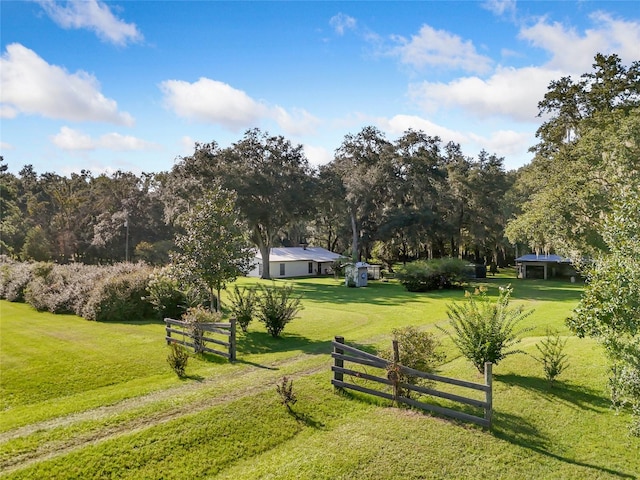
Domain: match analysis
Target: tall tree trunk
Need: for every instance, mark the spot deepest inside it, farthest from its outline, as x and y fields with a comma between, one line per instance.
x=354, y=238
x=262, y=239
x=264, y=251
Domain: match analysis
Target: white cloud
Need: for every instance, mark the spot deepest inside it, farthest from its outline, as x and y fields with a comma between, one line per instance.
x=573, y=52
x=439, y=48
x=509, y=92
x=211, y=101
x=6, y=146
x=504, y=143
x=74, y=140
x=342, y=22
x=399, y=124
x=317, y=155
x=500, y=7
x=32, y=86
x=92, y=15
x=188, y=144
x=298, y=122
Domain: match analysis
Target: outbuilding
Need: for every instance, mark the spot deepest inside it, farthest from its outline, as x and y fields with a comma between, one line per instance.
x=296, y=262
x=544, y=266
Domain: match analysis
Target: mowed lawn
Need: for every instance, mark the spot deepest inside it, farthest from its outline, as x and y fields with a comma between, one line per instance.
x=82, y=399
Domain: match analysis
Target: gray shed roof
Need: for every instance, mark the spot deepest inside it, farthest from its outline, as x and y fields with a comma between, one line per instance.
x=533, y=257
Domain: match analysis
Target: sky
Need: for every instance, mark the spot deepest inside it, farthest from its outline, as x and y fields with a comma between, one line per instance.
x=133, y=85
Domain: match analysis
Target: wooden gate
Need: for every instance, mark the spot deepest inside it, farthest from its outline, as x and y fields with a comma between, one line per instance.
x=343, y=353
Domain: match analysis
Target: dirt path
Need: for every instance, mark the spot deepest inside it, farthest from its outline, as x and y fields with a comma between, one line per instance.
x=50, y=449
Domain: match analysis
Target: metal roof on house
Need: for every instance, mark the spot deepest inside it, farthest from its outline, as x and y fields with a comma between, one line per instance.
x=299, y=254
x=533, y=257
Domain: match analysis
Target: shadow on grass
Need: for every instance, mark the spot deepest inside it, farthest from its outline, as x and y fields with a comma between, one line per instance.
x=519, y=431
x=376, y=293
x=541, y=290
x=306, y=419
x=576, y=396
x=252, y=343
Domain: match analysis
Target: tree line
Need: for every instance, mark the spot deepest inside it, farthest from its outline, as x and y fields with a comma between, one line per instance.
x=411, y=198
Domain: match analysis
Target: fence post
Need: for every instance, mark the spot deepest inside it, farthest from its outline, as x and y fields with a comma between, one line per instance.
x=167, y=332
x=394, y=375
x=338, y=362
x=488, y=380
x=232, y=341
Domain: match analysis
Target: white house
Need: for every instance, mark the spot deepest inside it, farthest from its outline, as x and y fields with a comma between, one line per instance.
x=296, y=262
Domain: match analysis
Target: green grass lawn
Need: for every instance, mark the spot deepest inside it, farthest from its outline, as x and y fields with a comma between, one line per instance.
x=82, y=399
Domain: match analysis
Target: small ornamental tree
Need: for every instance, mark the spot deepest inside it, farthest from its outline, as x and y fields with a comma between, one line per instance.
x=552, y=356
x=277, y=307
x=213, y=250
x=484, y=330
x=243, y=305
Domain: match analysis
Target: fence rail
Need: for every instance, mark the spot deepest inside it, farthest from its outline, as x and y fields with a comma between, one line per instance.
x=344, y=353
x=197, y=338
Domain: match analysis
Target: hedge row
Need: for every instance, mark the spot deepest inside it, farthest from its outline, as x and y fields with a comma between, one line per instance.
x=441, y=273
x=105, y=293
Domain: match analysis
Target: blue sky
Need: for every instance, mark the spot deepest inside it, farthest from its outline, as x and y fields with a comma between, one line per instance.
x=132, y=85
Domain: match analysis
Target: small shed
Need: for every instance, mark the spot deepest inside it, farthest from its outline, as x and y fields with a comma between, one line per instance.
x=544, y=266
x=356, y=274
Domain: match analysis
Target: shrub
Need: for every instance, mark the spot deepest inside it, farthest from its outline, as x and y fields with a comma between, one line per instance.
x=121, y=296
x=287, y=395
x=277, y=307
x=243, y=305
x=418, y=350
x=423, y=276
x=195, y=317
x=15, y=278
x=178, y=358
x=552, y=356
x=62, y=288
x=165, y=295
x=483, y=330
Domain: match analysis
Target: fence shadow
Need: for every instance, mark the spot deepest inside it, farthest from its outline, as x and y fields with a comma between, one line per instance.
x=521, y=432
x=575, y=396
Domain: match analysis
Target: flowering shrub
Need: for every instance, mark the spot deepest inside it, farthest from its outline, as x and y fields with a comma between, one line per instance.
x=120, y=296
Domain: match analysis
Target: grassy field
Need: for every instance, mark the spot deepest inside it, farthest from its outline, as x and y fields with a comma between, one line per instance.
x=94, y=400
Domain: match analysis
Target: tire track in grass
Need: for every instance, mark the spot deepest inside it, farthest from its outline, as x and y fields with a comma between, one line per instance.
x=52, y=449
x=135, y=402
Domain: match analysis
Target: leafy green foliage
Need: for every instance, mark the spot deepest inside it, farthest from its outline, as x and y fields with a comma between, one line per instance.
x=195, y=317
x=214, y=248
x=610, y=307
x=277, y=307
x=120, y=297
x=417, y=349
x=422, y=276
x=552, y=356
x=168, y=300
x=178, y=359
x=483, y=330
x=243, y=303
x=589, y=149
x=37, y=245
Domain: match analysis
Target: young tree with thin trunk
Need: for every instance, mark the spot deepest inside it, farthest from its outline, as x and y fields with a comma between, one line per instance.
x=213, y=250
